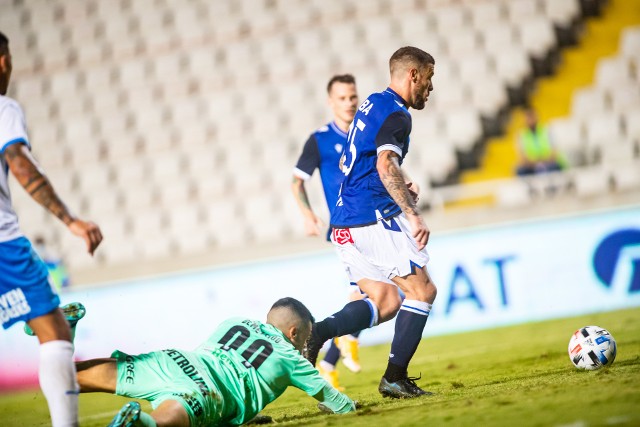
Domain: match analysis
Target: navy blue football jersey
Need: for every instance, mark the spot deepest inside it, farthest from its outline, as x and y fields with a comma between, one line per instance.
x=322, y=151
x=382, y=123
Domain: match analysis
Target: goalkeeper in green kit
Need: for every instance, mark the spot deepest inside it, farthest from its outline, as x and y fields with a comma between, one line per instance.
x=240, y=369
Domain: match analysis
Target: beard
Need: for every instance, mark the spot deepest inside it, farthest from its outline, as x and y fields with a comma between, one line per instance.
x=419, y=98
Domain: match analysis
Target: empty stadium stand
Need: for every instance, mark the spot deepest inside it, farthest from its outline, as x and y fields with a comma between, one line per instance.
x=175, y=124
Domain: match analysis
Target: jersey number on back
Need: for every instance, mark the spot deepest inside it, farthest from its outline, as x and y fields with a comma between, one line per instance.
x=347, y=164
x=237, y=336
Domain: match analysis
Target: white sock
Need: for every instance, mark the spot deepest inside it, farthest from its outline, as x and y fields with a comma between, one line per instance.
x=58, y=382
x=327, y=366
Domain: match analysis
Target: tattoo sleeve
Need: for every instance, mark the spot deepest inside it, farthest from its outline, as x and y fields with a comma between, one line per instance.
x=300, y=193
x=394, y=181
x=27, y=172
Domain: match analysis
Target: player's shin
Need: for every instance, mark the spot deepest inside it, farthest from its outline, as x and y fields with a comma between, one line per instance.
x=57, y=375
x=355, y=316
x=332, y=356
x=410, y=323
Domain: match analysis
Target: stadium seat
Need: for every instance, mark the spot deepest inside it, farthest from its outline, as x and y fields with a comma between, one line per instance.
x=562, y=12
x=379, y=31
x=189, y=25
x=631, y=119
x=31, y=87
x=156, y=246
x=262, y=221
x=489, y=98
x=612, y=72
x=618, y=153
x=449, y=19
x=499, y=37
x=630, y=42
x=590, y=182
x=626, y=176
x=512, y=66
x=567, y=136
x=519, y=11
x=515, y=193
x=179, y=192
x=448, y=95
x=602, y=130
x=462, y=44
x=474, y=67
x=167, y=167
x=486, y=14
x=298, y=19
x=344, y=34
x=64, y=85
x=537, y=36
x=93, y=178
x=624, y=98
x=40, y=113
x=588, y=102
x=226, y=225
x=107, y=204
x=463, y=128
x=437, y=159
x=133, y=74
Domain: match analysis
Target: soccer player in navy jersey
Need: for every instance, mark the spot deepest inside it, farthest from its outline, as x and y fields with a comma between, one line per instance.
x=377, y=227
x=322, y=151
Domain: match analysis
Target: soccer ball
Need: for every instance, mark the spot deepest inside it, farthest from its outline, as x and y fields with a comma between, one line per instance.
x=592, y=347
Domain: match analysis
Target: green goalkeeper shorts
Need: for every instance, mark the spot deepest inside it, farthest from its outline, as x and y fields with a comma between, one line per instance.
x=170, y=374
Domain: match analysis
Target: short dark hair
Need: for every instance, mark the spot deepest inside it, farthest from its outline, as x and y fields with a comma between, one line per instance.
x=4, y=43
x=340, y=78
x=410, y=54
x=296, y=306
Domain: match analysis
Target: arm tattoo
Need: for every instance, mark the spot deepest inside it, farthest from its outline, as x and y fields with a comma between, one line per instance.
x=394, y=182
x=27, y=173
x=301, y=192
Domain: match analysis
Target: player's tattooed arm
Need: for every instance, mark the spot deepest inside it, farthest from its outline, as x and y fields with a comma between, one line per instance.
x=300, y=193
x=29, y=174
x=395, y=183
x=312, y=224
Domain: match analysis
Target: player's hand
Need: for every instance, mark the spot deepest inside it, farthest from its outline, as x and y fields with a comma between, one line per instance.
x=414, y=190
x=420, y=231
x=89, y=231
x=313, y=226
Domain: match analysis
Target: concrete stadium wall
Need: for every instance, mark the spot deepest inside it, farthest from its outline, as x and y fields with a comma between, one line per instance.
x=486, y=277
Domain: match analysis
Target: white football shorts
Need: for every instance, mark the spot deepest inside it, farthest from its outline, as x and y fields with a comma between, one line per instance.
x=379, y=251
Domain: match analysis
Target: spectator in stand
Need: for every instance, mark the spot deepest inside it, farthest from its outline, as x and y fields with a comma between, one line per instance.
x=536, y=150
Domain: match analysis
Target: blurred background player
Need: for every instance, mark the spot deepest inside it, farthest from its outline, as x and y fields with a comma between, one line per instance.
x=58, y=273
x=240, y=369
x=322, y=151
x=25, y=290
x=536, y=150
x=377, y=227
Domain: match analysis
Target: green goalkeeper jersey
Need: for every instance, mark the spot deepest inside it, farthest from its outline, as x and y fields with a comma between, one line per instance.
x=262, y=363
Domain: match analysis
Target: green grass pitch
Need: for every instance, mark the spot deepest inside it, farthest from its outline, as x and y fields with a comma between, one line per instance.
x=512, y=376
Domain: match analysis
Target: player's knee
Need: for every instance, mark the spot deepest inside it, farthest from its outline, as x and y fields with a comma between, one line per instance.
x=425, y=292
x=389, y=307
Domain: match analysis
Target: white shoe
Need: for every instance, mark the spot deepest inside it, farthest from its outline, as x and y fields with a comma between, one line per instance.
x=350, y=351
x=331, y=377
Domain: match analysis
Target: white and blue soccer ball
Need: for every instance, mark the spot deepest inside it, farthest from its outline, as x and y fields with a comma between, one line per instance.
x=592, y=347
